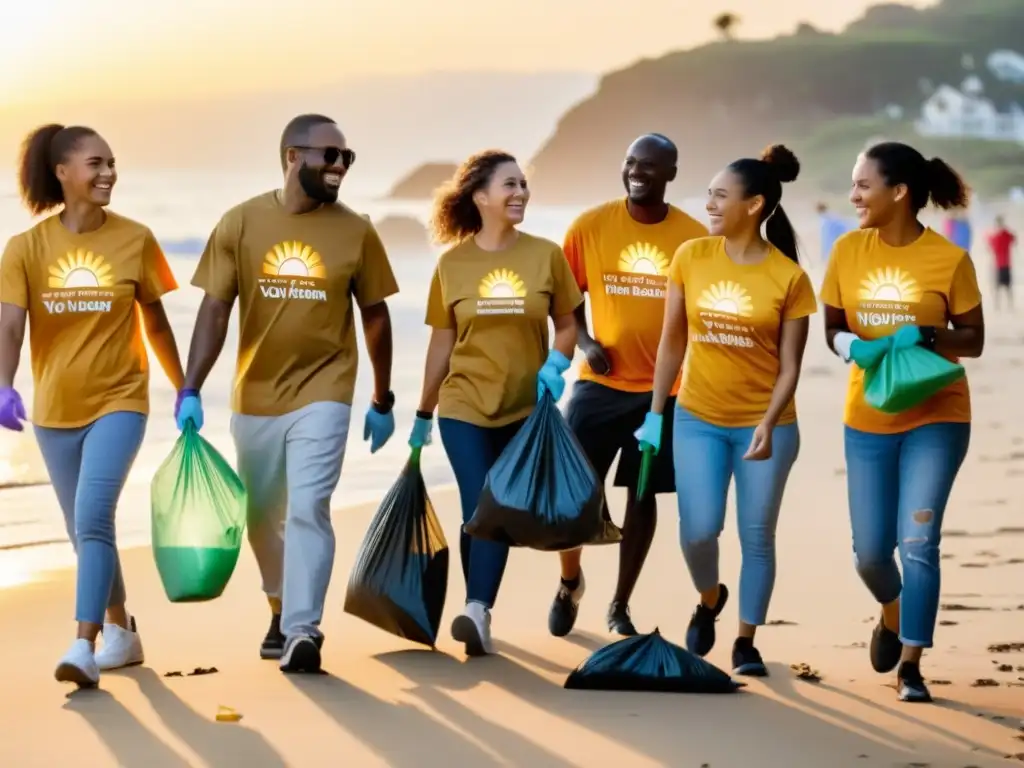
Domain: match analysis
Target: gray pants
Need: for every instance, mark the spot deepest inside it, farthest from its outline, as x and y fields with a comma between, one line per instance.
x=290, y=466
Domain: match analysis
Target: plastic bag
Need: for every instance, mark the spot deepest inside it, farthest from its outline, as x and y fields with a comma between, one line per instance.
x=649, y=663
x=907, y=377
x=400, y=577
x=198, y=518
x=542, y=491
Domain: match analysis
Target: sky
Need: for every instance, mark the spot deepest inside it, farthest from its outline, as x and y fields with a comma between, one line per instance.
x=54, y=51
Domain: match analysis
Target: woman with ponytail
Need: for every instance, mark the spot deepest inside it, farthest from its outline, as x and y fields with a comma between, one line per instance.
x=736, y=319
x=79, y=275
x=895, y=283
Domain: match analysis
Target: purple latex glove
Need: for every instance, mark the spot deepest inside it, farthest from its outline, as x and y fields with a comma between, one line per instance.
x=12, y=410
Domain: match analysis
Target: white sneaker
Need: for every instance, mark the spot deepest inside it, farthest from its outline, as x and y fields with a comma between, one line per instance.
x=121, y=647
x=473, y=628
x=79, y=665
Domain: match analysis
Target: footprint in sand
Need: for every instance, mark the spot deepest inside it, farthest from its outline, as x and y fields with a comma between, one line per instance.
x=985, y=682
x=781, y=623
x=962, y=607
x=1006, y=648
x=948, y=623
x=1008, y=531
x=974, y=565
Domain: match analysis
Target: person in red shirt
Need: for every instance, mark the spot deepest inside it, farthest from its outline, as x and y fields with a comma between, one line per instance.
x=1001, y=242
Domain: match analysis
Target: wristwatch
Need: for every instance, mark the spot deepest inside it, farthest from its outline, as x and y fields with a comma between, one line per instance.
x=928, y=335
x=387, y=405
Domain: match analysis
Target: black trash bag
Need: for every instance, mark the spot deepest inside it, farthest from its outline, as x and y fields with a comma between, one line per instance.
x=400, y=577
x=649, y=663
x=542, y=492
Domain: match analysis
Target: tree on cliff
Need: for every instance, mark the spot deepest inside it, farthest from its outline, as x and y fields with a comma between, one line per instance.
x=726, y=23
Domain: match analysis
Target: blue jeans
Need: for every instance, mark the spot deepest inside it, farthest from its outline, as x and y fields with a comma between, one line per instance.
x=898, y=486
x=472, y=450
x=88, y=467
x=706, y=458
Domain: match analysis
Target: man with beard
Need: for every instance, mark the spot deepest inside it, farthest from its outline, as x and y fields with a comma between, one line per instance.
x=295, y=258
x=620, y=253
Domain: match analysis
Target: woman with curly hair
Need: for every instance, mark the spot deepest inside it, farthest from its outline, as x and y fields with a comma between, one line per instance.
x=488, y=361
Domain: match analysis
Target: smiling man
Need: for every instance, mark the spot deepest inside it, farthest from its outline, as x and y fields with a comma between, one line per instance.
x=620, y=253
x=295, y=259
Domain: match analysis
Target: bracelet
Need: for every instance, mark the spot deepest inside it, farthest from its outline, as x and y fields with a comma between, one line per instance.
x=425, y=415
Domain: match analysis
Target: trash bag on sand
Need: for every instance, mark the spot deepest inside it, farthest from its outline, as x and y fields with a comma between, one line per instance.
x=907, y=377
x=198, y=507
x=400, y=577
x=649, y=663
x=542, y=492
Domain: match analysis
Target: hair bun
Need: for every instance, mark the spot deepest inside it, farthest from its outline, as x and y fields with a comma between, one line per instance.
x=783, y=162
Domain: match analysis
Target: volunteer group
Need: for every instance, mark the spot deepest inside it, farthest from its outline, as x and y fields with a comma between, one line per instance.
x=694, y=352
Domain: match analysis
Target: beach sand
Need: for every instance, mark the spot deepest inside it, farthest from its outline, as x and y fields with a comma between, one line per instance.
x=387, y=702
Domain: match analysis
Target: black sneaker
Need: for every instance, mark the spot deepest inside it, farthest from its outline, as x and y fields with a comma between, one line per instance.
x=700, y=634
x=886, y=648
x=619, y=621
x=746, y=659
x=301, y=654
x=565, y=608
x=911, y=685
x=273, y=643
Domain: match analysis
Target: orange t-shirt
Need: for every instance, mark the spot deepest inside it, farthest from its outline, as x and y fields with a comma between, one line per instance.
x=623, y=265
x=881, y=288
x=85, y=334
x=734, y=316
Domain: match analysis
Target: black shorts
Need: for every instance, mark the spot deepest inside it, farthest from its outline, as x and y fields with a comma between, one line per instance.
x=1003, y=277
x=604, y=420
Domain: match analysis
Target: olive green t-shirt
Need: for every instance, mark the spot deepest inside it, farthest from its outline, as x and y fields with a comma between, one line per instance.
x=295, y=276
x=499, y=303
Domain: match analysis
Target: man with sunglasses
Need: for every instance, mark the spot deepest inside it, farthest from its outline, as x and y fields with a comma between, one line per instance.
x=295, y=259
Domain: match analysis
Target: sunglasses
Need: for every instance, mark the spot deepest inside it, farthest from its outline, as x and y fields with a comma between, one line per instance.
x=331, y=155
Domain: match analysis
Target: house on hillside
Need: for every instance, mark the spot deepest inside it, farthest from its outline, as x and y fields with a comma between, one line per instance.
x=966, y=112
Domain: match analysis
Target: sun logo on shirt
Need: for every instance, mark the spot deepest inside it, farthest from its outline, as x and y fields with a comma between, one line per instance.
x=643, y=259
x=502, y=284
x=889, y=284
x=81, y=269
x=293, y=259
x=727, y=297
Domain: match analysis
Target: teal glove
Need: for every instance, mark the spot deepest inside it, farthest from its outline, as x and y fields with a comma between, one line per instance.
x=421, y=431
x=188, y=406
x=868, y=354
x=378, y=428
x=906, y=336
x=649, y=434
x=549, y=377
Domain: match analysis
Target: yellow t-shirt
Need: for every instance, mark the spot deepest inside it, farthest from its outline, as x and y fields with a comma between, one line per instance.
x=734, y=316
x=294, y=276
x=85, y=333
x=499, y=303
x=623, y=265
x=881, y=288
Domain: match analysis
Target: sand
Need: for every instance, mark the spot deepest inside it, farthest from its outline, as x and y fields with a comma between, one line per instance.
x=386, y=702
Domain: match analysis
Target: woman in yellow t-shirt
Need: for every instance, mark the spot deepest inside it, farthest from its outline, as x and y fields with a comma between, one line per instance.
x=895, y=282
x=81, y=276
x=488, y=360
x=736, y=318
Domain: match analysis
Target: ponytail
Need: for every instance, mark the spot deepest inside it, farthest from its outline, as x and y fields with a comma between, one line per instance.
x=765, y=176
x=41, y=152
x=925, y=179
x=946, y=187
x=778, y=230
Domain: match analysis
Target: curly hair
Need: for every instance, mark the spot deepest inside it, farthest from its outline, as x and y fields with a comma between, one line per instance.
x=455, y=215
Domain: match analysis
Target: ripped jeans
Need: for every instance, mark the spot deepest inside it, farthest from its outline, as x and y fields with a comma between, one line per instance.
x=898, y=486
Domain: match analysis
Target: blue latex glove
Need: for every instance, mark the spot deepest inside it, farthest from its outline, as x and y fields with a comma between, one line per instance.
x=906, y=336
x=188, y=406
x=868, y=354
x=549, y=377
x=378, y=428
x=12, y=410
x=421, y=432
x=649, y=434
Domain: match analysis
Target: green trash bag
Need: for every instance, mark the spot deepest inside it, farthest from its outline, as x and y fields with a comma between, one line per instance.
x=198, y=516
x=907, y=377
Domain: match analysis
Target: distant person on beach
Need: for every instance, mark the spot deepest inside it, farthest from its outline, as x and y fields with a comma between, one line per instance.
x=488, y=361
x=832, y=228
x=957, y=227
x=736, y=320
x=1001, y=242
x=297, y=260
x=619, y=253
x=88, y=280
x=896, y=282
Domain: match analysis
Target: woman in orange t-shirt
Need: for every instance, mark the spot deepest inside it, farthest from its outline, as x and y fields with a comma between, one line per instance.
x=736, y=319
x=896, y=283
x=85, y=276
